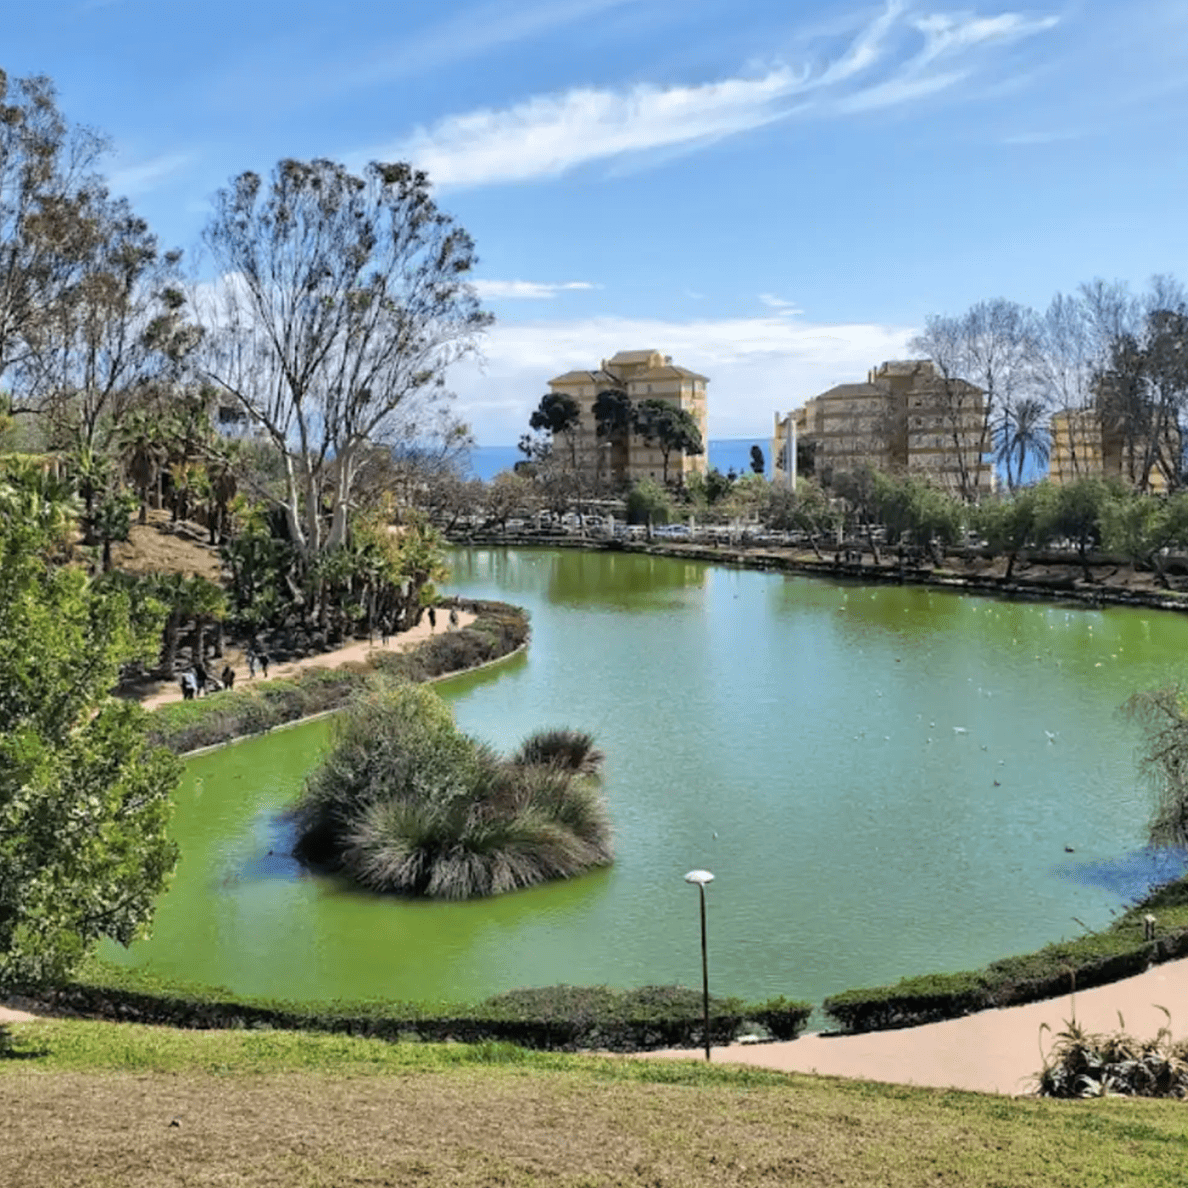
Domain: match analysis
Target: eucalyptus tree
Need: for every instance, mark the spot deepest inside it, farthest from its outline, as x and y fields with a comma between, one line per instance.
x=341, y=303
x=993, y=347
x=120, y=325
x=47, y=178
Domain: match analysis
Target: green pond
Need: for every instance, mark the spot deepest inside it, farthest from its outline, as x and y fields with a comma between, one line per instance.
x=884, y=781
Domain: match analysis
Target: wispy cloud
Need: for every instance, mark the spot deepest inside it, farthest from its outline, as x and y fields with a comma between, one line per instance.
x=494, y=290
x=755, y=365
x=786, y=308
x=551, y=133
x=143, y=176
x=893, y=60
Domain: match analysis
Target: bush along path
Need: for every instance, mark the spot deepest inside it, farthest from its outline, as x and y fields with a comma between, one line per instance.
x=1152, y=931
x=494, y=631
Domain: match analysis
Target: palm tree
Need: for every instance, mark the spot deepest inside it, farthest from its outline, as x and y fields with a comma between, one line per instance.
x=1024, y=434
x=142, y=450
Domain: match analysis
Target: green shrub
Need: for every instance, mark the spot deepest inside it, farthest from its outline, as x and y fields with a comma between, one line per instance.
x=406, y=803
x=558, y=1018
x=783, y=1018
x=1092, y=960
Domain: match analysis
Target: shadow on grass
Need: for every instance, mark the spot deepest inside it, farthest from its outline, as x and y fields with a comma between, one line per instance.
x=9, y=1050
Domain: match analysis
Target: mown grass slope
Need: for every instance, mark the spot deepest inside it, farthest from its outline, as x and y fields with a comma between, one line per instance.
x=89, y=1104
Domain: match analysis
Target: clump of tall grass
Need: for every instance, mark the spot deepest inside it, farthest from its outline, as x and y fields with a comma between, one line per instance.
x=407, y=803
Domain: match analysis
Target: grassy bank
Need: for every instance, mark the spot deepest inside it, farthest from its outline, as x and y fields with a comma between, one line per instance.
x=94, y=1104
x=183, y=726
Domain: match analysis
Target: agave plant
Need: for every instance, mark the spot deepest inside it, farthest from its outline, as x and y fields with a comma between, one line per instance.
x=1085, y=1064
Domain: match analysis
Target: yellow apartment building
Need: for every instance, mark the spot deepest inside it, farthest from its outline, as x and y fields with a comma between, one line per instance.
x=905, y=417
x=642, y=375
x=1086, y=444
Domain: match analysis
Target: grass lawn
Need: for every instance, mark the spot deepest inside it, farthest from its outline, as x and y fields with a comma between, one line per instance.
x=120, y=1106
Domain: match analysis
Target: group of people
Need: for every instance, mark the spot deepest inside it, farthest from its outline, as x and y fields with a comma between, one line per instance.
x=197, y=679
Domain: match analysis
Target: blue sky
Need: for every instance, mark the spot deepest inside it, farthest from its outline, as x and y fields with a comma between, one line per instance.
x=774, y=193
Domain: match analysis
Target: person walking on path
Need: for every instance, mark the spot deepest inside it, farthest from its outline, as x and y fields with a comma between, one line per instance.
x=251, y=662
x=228, y=677
x=200, y=675
x=264, y=661
x=432, y=620
x=189, y=685
x=385, y=630
x=454, y=617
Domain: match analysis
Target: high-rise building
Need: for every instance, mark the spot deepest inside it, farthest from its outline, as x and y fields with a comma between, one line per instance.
x=906, y=417
x=641, y=375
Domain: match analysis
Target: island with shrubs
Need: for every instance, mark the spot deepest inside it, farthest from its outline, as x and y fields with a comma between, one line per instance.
x=406, y=803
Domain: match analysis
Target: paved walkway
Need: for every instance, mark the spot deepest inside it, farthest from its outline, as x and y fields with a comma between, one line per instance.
x=994, y=1051
x=352, y=652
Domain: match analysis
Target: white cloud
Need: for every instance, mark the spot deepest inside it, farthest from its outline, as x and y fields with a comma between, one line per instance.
x=143, y=176
x=755, y=365
x=494, y=290
x=551, y=133
x=786, y=308
x=895, y=59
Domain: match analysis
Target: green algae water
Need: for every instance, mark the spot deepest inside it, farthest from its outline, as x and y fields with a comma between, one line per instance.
x=884, y=780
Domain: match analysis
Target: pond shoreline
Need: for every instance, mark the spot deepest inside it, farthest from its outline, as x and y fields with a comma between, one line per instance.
x=1040, y=578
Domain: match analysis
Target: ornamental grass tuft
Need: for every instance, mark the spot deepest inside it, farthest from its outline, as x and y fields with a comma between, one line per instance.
x=406, y=803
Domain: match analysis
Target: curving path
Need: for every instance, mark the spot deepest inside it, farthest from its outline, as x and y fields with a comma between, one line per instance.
x=995, y=1051
x=352, y=652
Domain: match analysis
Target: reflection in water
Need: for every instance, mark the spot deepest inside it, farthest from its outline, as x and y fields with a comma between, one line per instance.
x=883, y=780
x=1131, y=875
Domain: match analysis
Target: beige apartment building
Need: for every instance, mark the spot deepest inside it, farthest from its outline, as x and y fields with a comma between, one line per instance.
x=905, y=417
x=1086, y=444
x=642, y=375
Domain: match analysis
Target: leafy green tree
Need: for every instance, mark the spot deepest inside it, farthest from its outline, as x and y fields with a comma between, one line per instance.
x=1012, y=524
x=807, y=509
x=1075, y=511
x=669, y=428
x=84, y=801
x=648, y=503
x=1146, y=528
x=758, y=465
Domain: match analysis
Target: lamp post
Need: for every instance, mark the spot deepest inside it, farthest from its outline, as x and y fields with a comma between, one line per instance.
x=700, y=878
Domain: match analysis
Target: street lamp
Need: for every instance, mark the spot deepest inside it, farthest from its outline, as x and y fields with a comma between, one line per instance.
x=701, y=877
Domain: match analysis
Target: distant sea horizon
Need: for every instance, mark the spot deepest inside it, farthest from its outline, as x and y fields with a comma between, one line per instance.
x=725, y=454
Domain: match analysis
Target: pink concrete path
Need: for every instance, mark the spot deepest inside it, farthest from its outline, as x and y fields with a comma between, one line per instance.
x=991, y=1052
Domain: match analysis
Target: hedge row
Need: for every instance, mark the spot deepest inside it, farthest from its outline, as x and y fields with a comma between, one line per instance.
x=557, y=1018
x=185, y=726
x=1055, y=970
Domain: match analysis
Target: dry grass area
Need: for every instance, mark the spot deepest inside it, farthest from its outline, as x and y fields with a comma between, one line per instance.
x=162, y=547
x=375, y=1115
